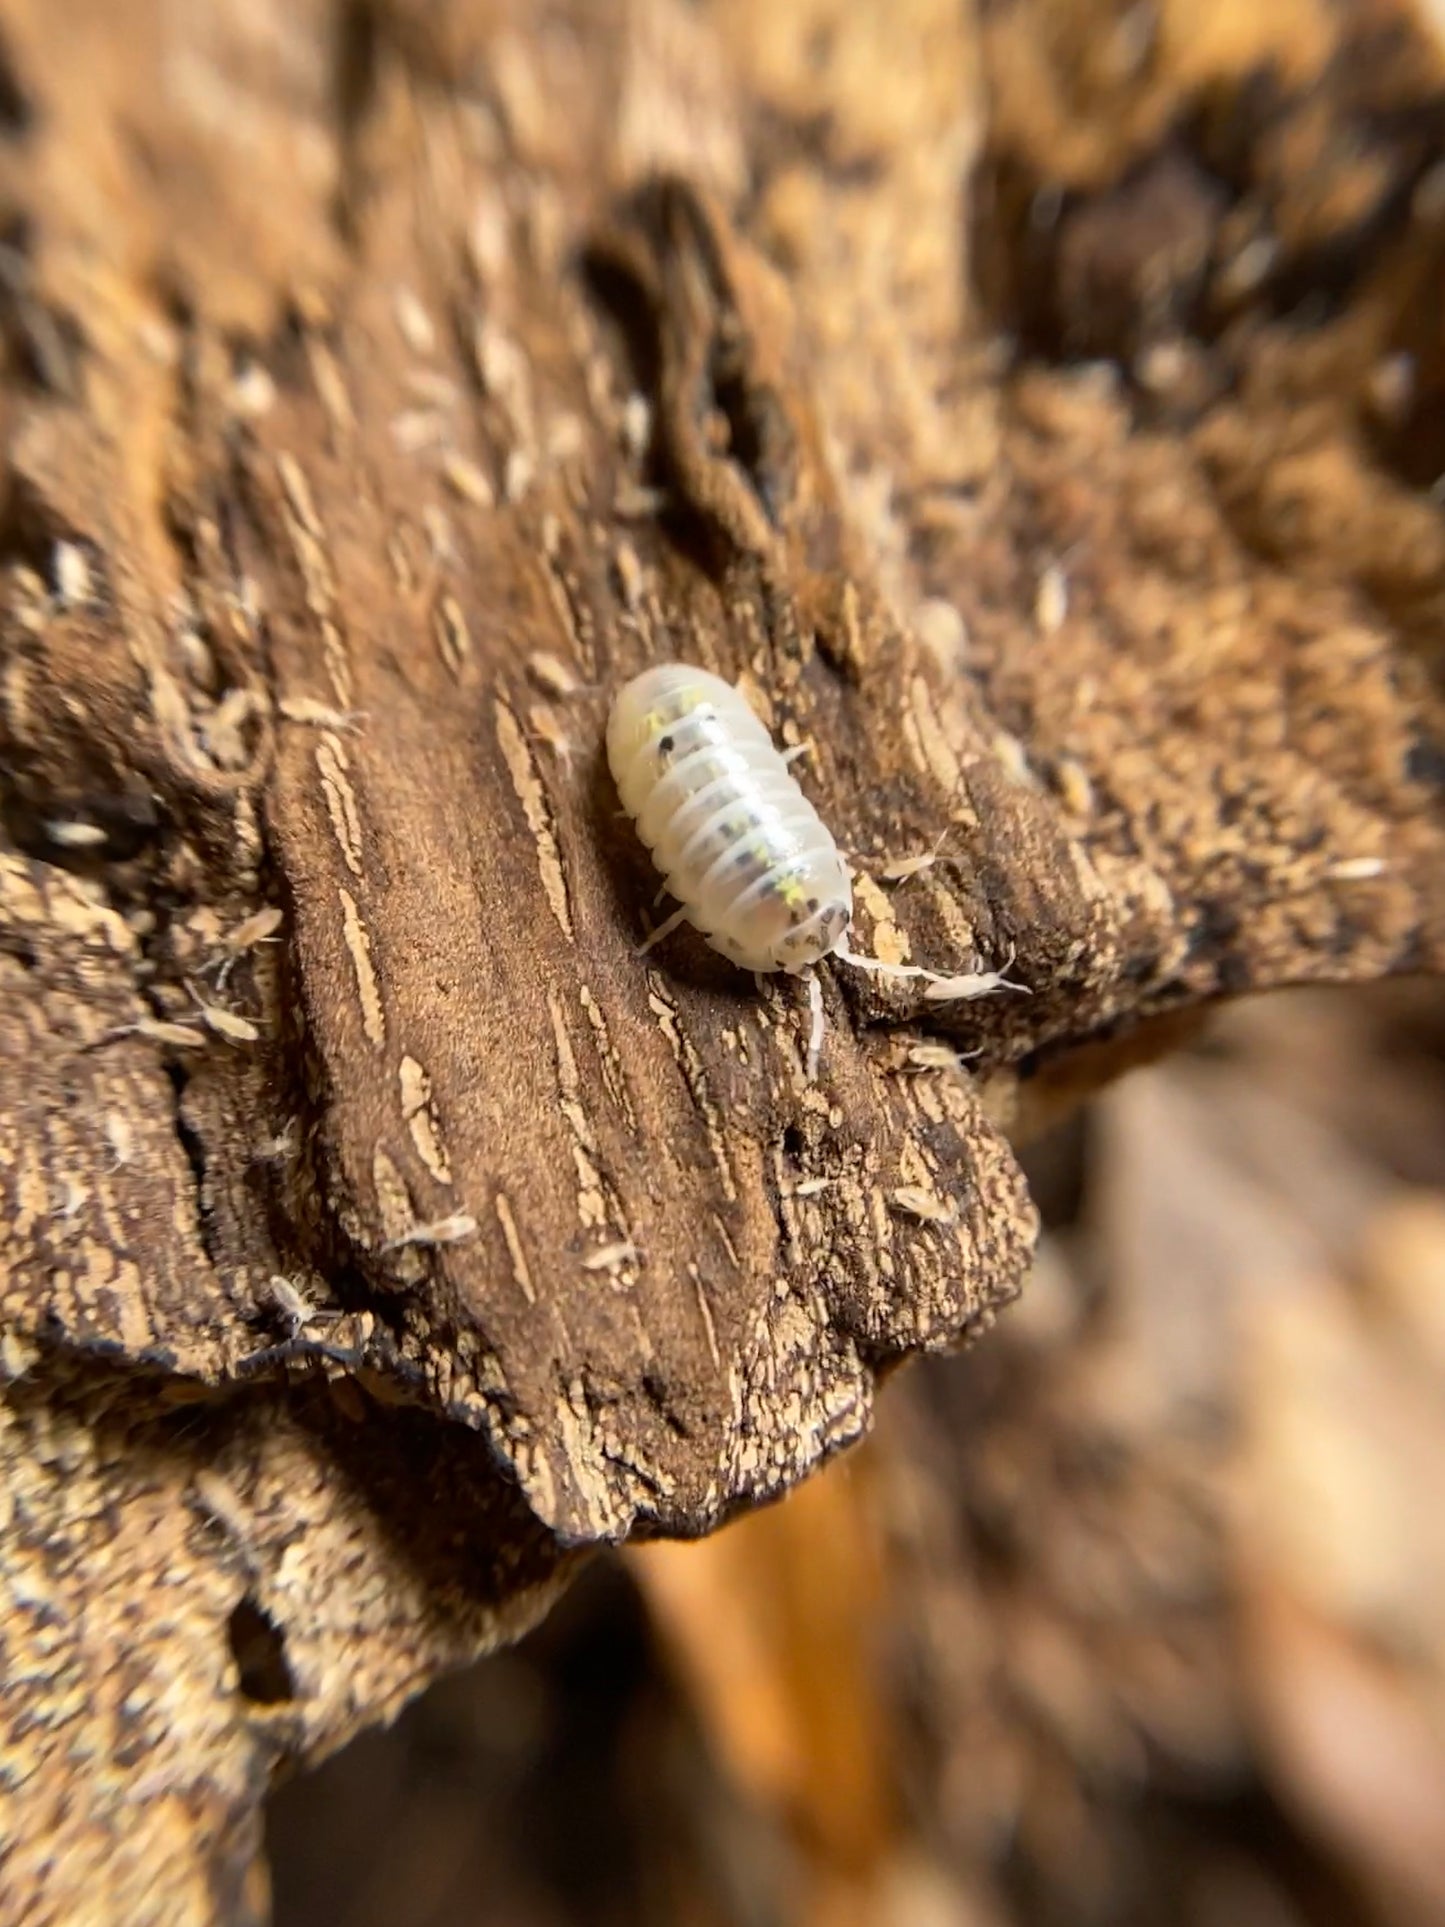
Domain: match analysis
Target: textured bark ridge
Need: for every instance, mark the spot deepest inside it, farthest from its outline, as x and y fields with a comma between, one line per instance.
x=386, y=383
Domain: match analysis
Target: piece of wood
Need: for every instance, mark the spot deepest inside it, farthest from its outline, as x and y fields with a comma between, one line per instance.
x=384, y=385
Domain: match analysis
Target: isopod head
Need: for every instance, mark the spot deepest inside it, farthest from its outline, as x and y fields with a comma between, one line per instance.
x=810, y=935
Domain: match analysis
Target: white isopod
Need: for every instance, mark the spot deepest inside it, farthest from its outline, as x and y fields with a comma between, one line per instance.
x=742, y=849
x=749, y=860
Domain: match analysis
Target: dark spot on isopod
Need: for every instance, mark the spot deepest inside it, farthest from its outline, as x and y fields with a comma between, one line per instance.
x=665, y=745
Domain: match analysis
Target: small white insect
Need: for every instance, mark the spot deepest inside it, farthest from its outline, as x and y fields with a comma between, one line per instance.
x=225, y=1023
x=930, y=1056
x=920, y=1203
x=441, y=1231
x=159, y=1031
x=749, y=860
x=605, y=1257
x=260, y=927
x=277, y=1148
x=291, y=1304
x=73, y=834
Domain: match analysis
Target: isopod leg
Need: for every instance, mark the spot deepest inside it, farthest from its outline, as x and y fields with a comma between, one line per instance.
x=664, y=929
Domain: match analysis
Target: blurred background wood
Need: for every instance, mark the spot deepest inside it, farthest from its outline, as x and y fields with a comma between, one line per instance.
x=1132, y=1614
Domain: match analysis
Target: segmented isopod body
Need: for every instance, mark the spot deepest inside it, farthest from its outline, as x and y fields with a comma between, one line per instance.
x=743, y=851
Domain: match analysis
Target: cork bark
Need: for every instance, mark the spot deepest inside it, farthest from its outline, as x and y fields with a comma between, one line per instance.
x=384, y=383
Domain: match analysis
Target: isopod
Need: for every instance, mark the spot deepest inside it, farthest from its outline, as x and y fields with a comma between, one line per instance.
x=744, y=852
x=750, y=862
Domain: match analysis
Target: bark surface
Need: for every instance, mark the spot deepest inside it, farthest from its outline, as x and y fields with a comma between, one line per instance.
x=1034, y=419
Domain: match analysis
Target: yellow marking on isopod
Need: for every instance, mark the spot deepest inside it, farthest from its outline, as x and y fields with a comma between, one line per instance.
x=533, y=798
x=358, y=943
x=340, y=801
x=422, y=1120
x=514, y=1247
